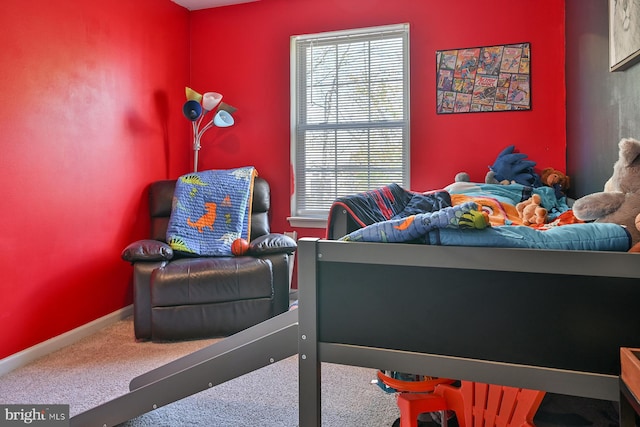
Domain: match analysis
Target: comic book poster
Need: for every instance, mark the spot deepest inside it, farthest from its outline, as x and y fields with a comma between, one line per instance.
x=447, y=60
x=525, y=60
x=502, y=90
x=447, y=101
x=439, y=98
x=519, y=90
x=511, y=59
x=445, y=79
x=501, y=106
x=467, y=63
x=463, y=103
x=490, y=60
x=463, y=85
x=501, y=95
x=504, y=80
x=484, y=90
x=486, y=78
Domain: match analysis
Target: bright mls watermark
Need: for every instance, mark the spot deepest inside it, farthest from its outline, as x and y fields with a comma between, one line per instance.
x=34, y=415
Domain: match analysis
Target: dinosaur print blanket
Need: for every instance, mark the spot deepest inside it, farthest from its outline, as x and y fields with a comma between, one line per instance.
x=412, y=227
x=210, y=210
x=383, y=204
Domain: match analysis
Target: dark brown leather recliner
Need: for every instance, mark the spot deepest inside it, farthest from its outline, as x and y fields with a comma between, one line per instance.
x=177, y=297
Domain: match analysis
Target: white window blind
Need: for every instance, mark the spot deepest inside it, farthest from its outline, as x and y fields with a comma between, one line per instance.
x=350, y=114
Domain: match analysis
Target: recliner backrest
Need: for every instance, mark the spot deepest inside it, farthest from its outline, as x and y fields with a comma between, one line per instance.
x=161, y=198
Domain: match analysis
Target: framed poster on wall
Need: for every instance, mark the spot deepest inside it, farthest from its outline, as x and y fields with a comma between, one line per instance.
x=624, y=34
x=487, y=78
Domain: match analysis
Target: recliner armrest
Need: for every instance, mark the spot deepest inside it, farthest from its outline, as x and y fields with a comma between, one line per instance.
x=271, y=244
x=147, y=250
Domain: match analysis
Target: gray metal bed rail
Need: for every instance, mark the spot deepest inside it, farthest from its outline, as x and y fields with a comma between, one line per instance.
x=337, y=311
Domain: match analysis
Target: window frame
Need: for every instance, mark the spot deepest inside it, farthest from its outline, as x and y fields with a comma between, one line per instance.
x=319, y=219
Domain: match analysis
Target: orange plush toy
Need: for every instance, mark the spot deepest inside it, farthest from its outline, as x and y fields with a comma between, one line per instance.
x=636, y=248
x=556, y=179
x=531, y=212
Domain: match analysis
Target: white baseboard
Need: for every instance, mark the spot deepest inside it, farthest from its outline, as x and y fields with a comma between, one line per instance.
x=30, y=354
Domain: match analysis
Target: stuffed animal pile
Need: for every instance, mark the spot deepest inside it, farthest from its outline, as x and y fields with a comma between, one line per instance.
x=619, y=203
x=513, y=167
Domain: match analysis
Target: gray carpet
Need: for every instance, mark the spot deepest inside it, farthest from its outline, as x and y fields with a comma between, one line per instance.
x=99, y=368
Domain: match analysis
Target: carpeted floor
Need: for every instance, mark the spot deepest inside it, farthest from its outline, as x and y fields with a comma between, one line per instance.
x=99, y=368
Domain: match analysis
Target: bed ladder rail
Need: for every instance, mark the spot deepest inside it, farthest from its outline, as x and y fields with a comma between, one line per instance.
x=258, y=346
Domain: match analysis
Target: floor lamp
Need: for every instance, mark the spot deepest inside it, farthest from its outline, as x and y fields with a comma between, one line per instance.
x=197, y=108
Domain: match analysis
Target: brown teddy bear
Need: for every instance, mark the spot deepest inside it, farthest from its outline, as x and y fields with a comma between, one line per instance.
x=620, y=202
x=531, y=212
x=555, y=179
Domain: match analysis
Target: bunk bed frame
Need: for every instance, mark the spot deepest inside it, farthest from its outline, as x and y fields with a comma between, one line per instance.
x=541, y=319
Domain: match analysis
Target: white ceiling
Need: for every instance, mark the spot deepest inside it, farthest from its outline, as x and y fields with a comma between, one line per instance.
x=206, y=4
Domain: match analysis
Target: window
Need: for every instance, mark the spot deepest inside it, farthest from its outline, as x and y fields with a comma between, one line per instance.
x=349, y=115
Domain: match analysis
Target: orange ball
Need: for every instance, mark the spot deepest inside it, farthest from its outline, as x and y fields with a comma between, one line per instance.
x=239, y=247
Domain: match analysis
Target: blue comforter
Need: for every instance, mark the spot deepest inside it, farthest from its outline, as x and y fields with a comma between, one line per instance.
x=459, y=226
x=588, y=237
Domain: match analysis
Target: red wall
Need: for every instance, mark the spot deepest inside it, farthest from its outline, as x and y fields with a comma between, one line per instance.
x=93, y=93
x=243, y=52
x=87, y=121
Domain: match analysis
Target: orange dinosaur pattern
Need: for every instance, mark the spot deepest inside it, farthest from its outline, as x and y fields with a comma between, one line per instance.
x=406, y=223
x=205, y=220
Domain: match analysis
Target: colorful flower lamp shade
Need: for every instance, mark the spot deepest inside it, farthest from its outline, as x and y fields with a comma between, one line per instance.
x=197, y=107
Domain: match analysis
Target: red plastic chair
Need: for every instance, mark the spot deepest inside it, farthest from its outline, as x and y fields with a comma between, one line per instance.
x=475, y=405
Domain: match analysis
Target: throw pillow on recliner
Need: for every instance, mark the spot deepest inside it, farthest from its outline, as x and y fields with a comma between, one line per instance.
x=210, y=210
